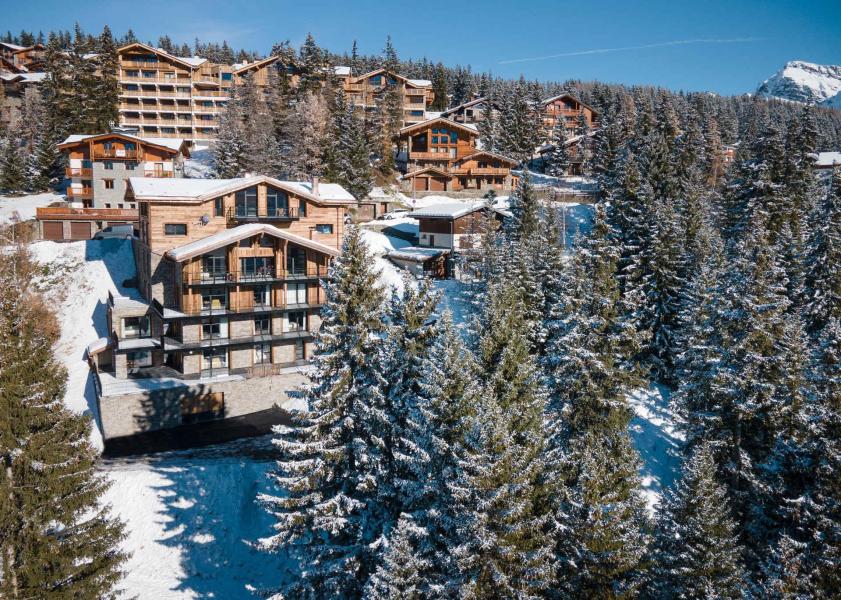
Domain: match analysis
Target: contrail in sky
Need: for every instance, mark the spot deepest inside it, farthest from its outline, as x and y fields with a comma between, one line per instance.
x=642, y=47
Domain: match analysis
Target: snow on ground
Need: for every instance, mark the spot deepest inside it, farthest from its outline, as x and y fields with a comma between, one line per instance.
x=78, y=276
x=379, y=242
x=190, y=517
x=22, y=208
x=657, y=440
x=200, y=163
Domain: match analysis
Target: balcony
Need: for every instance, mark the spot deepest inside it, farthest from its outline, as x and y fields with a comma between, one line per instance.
x=173, y=345
x=251, y=216
x=84, y=193
x=430, y=155
x=111, y=153
x=72, y=172
x=481, y=171
x=158, y=174
x=265, y=275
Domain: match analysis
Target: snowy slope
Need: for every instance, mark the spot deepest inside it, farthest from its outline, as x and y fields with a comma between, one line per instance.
x=805, y=82
x=22, y=208
x=78, y=276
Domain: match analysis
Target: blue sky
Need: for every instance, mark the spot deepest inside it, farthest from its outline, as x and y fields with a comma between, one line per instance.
x=723, y=46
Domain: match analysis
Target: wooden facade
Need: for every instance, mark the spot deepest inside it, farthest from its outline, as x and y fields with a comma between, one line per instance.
x=364, y=91
x=169, y=96
x=570, y=109
x=441, y=156
x=472, y=112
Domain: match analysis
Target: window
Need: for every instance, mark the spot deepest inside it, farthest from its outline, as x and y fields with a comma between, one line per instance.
x=257, y=266
x=296, y=260
x=453, y=137
x=246, y=202
x=416, y=113
x=434, y=130
x=107, y=145
x=434, y=139
x=109, y=184
x=246, y=243
x=219, y=207
x=296, y=320
x=214, y=298
x=107, y=205
x=213, y=266
x=131, y=165
x=324, y=228
x=262, y=326
x=139, y=358
x=299, y=350
x=175, y=229
x=266, y=241
x=262, y=354
x=214, y=358
x=108, y=165
x=136, y=327
x=214, y=329
x=262, y=296
x=227, y=76
x=277, y=203
x=296, y=293
x=302, y=208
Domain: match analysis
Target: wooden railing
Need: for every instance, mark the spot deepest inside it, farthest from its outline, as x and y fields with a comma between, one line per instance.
x=71, y=172
x=430, y=156
x=481, y=171
x=159, y=174
x=99, y=153
x=81, y=193
x=100, y=214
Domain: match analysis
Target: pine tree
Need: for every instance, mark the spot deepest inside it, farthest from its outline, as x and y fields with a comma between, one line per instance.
x=105, y=88
x=56, y=538
x=697, y=553
x=390, y=108
x=823, y=282
x=347, y=155
x=330, y=518
x=557, y=162
x=489, y=127
x=400, y=574
x=312, y=65
x=439, y=88
x=229, y=152
x=12, y=164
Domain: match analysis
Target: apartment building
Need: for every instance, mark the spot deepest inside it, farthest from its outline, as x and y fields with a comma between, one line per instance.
x=26, y=58
x=228, y=298
x=21, y=70
x=364, y=91
x=178, y=97
x=472, y=112
x=440, y=155
x=99, y=166
x=570, y=109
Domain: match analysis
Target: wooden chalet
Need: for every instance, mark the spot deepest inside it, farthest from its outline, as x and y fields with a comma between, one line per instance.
x=570, y=109
x=455, y=227
x=363, y=91
x=472, y=112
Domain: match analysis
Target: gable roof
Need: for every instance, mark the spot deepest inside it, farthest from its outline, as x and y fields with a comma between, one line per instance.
x=235, y=234
x=471, y=129
x=474, y=102
x=173, y=145
x=201, y=190
x=413, y=82
x=487, y=153
x=567, y=95
x=256, y=64
x=433, y=170
x=450, y=210
x=190, y=61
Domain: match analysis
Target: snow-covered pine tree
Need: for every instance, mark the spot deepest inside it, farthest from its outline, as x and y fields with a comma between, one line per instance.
x=312, y=64
x=401, y=572
x=57, y=539
x=697, y=552
x=390, y=108
x=489, y=126
x=12, y=163
x=557, y=162
x=105, y=88
x=823, y=279
x=229, y=152
x=518, y=135
x=309, y=121
x=329, y=521
x=347, y=152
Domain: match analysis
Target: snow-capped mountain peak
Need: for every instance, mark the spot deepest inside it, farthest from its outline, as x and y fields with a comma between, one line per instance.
x=805, y=82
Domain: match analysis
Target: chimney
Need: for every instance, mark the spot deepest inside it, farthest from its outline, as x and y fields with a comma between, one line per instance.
x=315, y=185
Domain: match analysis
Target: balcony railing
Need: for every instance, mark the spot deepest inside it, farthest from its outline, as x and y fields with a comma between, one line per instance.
x=264, y=275
x=172, y=344
x=80, y=193
x=158, y=174
x=430, y=156
x=278, y=214
x=72, y=172
x=481, y=171
x=116, y=153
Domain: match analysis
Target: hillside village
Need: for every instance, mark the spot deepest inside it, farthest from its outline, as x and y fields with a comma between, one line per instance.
x=358, y=326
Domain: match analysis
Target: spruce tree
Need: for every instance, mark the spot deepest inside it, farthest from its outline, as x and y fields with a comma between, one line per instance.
x=229, y=153
x=56, y=538
x=557, y=162
x=400, y=574
x=823, y=280
x=347, y=153
x=697, y=552
x=330, y=517
x=12, y=164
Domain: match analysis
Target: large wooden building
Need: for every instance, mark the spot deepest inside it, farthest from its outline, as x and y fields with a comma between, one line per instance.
x=179, y=97
x=571, y=110
x=365, y=90
x=228, y=299
x=440, y=155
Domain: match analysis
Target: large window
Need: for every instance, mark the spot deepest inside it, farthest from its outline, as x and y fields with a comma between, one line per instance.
x=324, y=228
x=213, y=266
x=262, y=354
x=296, y=320
x=262, y=326
x=136, y=327
x=257, y=266
x=296, y=293
x=175, y=229
x=277, y=203
x=296, y=260
x=262, y=296
x=214, y=329
x=213, y=359
x=246, y=202
x=219, y=207
x=140, y=358
x=213, y=298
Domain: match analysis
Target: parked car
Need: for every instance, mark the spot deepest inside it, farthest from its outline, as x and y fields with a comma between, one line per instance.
x=398, y=213
x=115, y=231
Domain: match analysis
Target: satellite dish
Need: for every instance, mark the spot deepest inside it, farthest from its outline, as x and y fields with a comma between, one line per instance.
x=204, y=219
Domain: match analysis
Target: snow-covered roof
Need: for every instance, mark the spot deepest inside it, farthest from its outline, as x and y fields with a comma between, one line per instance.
x=199, y=190
x=447, y=211
x=420, y=82
x=341, y=71
x=171, y=143
x=422, y=124
x=194, y=61
x=12, y=46
x=487, y=153
x=24, y=77
x=234, y=234
x=415, y=253
x=568, y=95
x=98, y=346
x=827, y=159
